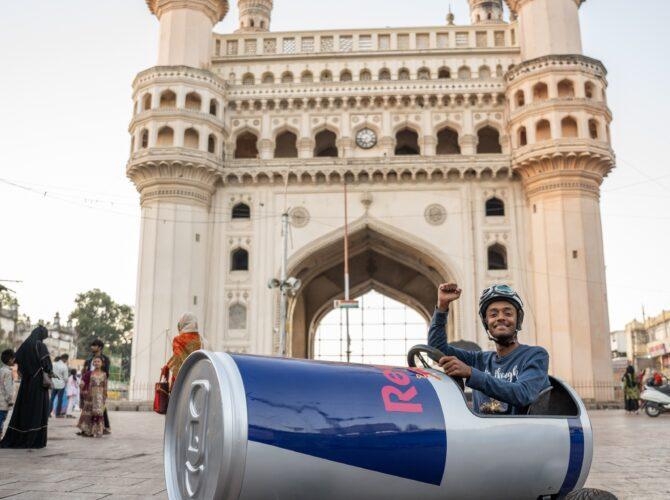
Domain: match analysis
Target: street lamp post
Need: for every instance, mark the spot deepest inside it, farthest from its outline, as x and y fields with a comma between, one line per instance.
x=287, y=286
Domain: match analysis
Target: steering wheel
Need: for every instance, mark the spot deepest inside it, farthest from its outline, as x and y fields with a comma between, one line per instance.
x=421, y=351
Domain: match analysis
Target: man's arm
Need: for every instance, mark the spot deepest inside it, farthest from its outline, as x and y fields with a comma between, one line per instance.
x=524, y=391
x=8, y=386
x=437, y=338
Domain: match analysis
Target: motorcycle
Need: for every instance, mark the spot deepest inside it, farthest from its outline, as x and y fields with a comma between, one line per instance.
x=656, y=399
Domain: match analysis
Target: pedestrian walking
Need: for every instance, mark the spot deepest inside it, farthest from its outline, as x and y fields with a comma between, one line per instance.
x=94, y=398
x=61, y=373
x=631, y=391
x=97, y=347
x=186, y=342
x=72, y=391
x=28, y=425
x=6, y=385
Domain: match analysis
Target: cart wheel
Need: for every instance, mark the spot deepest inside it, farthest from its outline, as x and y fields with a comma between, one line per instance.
x=590, y=494
x=652, y=410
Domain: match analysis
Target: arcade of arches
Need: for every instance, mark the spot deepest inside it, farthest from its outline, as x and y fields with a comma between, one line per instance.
x=377, y=262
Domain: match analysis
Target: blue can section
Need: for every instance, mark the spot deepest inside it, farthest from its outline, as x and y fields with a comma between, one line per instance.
x=382, y=419
x=576, y=456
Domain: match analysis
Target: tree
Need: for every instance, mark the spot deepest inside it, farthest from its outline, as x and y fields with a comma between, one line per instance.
x=96, y=315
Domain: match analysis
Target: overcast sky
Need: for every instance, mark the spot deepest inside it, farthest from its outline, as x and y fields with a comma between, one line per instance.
x=67, y=68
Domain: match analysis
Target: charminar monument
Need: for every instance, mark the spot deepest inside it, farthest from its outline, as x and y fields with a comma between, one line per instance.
x=471, y=153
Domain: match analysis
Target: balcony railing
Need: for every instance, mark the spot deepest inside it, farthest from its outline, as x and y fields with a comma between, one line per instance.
x=340, y=42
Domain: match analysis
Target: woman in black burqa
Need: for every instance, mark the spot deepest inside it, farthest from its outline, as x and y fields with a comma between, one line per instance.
x=28, y=426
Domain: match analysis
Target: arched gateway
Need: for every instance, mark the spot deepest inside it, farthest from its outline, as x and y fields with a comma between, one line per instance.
x=424, y=144
x=381, y=259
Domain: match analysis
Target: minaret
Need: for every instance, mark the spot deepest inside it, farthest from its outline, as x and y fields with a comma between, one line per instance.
x=559, y=124
x=176, y=157
x=486, y=11
x=255, y=15
x=186, y=30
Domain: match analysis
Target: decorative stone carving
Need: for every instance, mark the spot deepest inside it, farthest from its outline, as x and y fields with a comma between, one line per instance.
x=435, y=214
x=237, y=317
x=299, y=217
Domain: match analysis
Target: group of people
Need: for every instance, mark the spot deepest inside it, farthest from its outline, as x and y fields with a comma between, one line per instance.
x=65, y=391
x=633, y=385
x=48, y=387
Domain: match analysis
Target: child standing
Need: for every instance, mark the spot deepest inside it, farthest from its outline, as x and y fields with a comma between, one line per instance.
x=6, y=385
x=94, y=398
x=72, y=391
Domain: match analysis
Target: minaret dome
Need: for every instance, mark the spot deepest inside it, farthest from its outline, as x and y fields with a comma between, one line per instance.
x=486, y=11
x=255, y=15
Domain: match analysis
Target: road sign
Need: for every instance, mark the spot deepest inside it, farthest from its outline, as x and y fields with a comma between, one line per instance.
x=346, y=304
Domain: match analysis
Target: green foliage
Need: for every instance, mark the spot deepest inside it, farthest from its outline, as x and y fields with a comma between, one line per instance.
x=96, y=315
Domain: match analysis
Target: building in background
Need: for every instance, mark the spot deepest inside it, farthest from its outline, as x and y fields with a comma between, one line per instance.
x=62, y=338
x=618, y=344
x=9, y=319
x=472, y=153
x=658, y=337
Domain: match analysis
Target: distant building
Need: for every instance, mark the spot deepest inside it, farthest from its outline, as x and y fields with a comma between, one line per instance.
x=61, y=340
x=658, y=341
x=618, y=344
x=645, y=344
x=9, y=316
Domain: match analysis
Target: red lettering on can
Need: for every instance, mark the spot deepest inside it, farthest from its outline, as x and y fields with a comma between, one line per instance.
x=396, y=377
x=401, y=404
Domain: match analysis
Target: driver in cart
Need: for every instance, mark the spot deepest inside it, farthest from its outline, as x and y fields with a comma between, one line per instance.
x=504, y=381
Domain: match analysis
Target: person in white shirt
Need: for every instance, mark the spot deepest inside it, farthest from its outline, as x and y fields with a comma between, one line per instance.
x=61, y=373
x=72, y=391
x=6, y=385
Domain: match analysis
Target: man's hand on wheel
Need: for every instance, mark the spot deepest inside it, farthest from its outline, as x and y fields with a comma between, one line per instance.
x=454, y=367
x=446, y=294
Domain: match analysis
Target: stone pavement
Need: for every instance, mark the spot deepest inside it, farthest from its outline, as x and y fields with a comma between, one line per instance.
x=631, y=459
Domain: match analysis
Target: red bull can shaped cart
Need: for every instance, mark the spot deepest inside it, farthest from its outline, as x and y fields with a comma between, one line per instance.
x=252, y=427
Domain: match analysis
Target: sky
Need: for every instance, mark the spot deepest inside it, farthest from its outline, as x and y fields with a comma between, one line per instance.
x=70, y=218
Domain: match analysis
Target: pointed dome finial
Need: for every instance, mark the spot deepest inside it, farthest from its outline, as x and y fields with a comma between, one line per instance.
x=450, y=17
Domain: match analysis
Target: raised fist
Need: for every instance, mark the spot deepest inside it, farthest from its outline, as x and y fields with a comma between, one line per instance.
x=446, y=294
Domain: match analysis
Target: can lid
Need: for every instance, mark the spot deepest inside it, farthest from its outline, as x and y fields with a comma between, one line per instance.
x=205, y=430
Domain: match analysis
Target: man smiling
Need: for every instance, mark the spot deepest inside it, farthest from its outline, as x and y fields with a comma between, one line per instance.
x=506, y=380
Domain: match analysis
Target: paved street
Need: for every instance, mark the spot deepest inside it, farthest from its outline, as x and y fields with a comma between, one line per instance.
x=632, y=460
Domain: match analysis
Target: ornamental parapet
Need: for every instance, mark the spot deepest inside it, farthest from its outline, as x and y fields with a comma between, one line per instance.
x=174, y=174
x=495, y=39
x=450, y=168
x=553, y=63
x=515, y=5
x=567, y=104
x=371, y=88
x=216, y=10
x=179, y=74
x=169, y=114
x=564, y=165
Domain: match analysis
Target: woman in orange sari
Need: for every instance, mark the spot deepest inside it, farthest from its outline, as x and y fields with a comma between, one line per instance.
x=187, y=341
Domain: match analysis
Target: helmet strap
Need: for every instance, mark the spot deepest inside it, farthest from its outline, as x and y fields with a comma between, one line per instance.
x=503, y=343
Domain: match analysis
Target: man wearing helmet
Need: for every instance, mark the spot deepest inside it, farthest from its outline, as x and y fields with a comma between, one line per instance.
x=504, y=381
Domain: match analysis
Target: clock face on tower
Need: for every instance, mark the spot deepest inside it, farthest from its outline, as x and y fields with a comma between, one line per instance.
x=366, y=138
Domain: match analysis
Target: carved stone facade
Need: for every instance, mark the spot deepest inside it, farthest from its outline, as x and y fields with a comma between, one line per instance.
x=465, y=159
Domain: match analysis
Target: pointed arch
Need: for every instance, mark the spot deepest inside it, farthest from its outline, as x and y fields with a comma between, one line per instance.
x=488, y=139
x=325, y=143
x=407, y=141
x=448, y=141
x=286, y=144
x=246, y=144
x=497, y=257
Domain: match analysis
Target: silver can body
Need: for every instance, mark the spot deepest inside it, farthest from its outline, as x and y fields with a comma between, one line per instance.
x=252, y=427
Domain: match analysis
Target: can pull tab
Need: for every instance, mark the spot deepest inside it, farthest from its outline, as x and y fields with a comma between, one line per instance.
x=196, y=453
